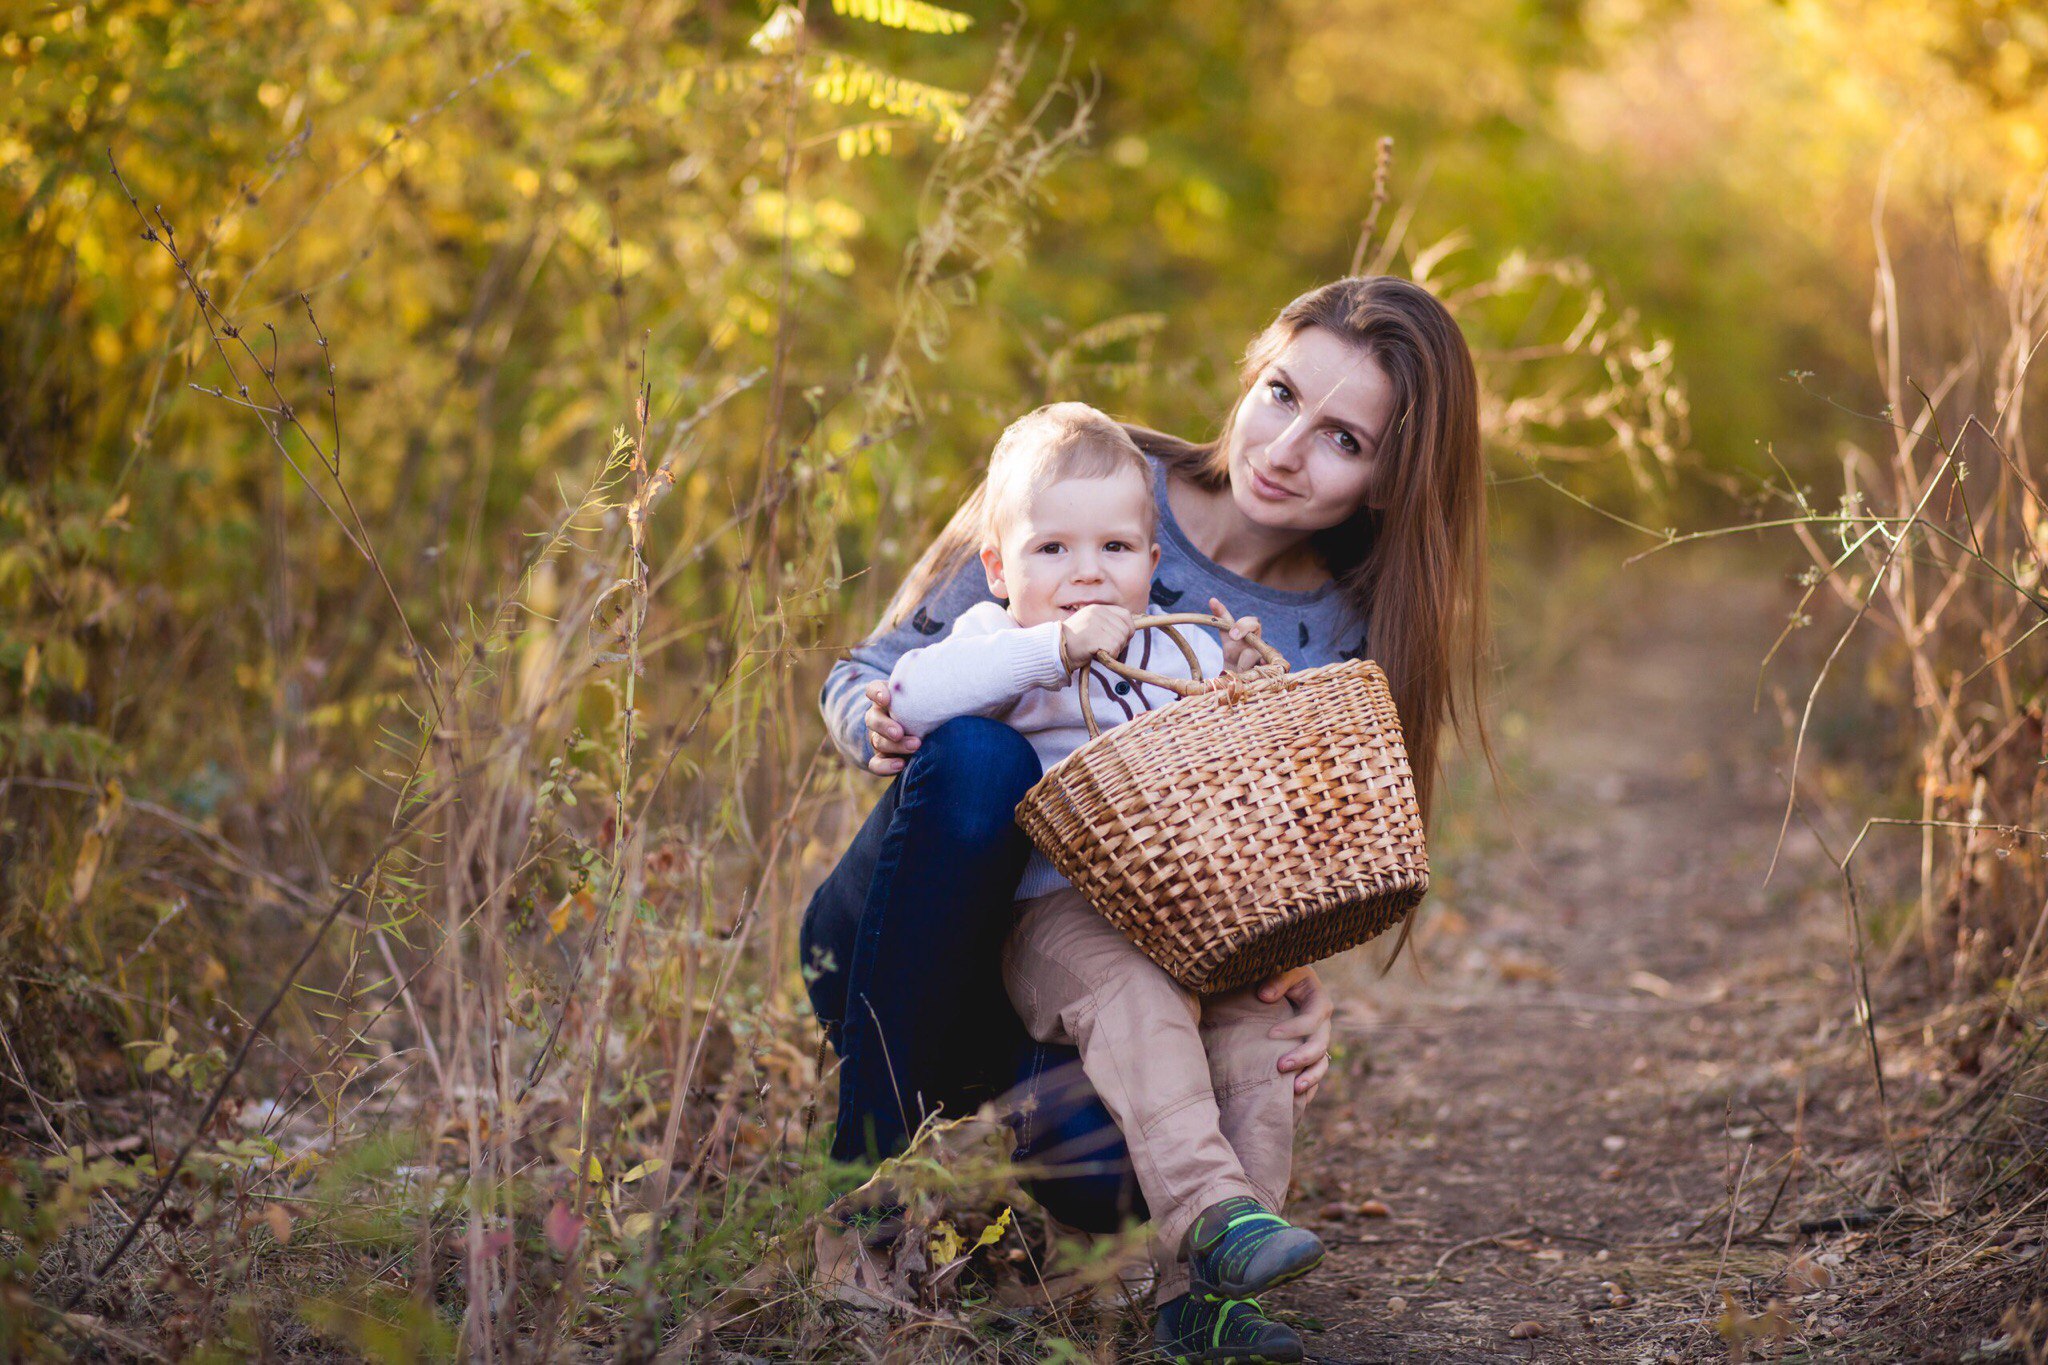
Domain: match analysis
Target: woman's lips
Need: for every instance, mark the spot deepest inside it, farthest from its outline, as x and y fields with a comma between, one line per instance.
x=1266, y=488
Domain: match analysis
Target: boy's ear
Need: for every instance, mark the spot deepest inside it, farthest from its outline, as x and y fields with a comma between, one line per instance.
x=1155, y=556
x=992, y=565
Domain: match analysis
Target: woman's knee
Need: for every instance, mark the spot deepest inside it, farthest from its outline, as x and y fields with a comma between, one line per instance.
x=969, y=775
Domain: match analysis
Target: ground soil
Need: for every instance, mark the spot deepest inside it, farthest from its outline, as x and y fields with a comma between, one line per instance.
x=1527, y=1149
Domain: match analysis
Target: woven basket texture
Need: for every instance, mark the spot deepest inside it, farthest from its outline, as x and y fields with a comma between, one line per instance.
x=1243, y=831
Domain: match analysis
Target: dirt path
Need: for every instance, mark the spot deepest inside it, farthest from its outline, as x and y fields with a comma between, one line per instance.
x=1611, y=1025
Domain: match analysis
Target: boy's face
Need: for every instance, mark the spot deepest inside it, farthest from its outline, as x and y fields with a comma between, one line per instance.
x=1080, y=542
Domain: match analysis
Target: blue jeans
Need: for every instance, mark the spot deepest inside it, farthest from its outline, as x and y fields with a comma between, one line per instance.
x=902, y=952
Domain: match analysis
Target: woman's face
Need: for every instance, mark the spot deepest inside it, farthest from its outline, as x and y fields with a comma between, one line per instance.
x=1306, y=447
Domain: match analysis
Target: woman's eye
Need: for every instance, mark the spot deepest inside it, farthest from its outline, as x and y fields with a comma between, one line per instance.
x=1348, y=443
x=1279, y=391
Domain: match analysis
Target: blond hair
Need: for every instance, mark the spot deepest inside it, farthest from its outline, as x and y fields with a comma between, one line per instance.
x=1050, y=445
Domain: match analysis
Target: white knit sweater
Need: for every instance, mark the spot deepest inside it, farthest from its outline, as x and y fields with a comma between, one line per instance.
x=988, y=665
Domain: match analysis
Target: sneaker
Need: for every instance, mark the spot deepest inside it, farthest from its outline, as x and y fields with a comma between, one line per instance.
x=1236, y=1249
x=1195, y=1329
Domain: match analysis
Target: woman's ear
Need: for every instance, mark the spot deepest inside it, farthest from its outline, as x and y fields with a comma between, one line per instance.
x=992, y=565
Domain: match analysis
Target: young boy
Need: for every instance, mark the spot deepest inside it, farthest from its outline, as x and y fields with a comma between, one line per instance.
x=1193, y=1082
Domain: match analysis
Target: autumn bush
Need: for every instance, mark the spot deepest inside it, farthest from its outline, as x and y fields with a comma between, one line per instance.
x=439, y=455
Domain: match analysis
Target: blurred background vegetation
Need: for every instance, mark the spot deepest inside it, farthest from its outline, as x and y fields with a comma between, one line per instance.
x=835, y=249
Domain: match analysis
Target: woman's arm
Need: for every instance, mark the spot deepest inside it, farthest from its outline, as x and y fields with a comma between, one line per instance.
x=846, y=700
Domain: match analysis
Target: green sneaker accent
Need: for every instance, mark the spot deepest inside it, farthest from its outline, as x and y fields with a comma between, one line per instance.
x=1194, y=1330
x=1237, y=1249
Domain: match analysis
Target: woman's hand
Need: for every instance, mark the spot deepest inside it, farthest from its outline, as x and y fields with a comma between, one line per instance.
x=893, y=746
x=1311, y=1023
x=1240, y=656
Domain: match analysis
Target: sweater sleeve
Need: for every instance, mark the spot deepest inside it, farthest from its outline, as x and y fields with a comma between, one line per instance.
x=982, y=668
x=844, y=697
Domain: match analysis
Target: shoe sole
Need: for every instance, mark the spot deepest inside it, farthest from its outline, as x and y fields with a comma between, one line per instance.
x=1224, y=1356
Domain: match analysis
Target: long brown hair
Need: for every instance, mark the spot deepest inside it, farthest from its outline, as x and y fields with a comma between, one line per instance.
x=1414, y=570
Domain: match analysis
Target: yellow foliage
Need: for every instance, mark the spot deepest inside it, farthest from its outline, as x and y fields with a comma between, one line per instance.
x=864, y=139
x=849, y=81
x=93, y=847
x=914, y=15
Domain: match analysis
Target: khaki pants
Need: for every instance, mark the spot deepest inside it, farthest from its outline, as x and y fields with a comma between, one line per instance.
x=1193, y=1081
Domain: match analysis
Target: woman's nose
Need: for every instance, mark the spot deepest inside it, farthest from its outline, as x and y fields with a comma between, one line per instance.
x=1284, y=450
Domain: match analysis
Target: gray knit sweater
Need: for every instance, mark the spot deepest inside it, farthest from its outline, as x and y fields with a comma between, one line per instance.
x=1309, y=628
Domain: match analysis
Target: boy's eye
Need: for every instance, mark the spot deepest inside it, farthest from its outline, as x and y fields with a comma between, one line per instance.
x=1051, y=547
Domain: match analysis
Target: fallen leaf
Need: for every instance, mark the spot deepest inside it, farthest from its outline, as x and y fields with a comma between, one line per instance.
x=563, y=1228
x=1803, y=1275
x=845, y=1270
x=280, y=1221
x=993, y=1233
x=1738, y=1328
x=945, y=1243
x=1516, y=968
x=1649, y=983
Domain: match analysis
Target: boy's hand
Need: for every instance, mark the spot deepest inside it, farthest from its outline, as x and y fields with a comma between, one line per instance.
x=1100, y=627
x=1239, y=655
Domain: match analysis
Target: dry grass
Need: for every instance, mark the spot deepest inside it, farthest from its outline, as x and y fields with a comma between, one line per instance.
x=1929, y=686
x=470, y=1025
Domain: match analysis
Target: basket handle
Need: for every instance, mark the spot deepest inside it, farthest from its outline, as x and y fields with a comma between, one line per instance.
x=1275, y=662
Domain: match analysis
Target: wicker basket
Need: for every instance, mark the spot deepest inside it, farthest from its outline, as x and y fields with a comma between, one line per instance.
x=1261, y=823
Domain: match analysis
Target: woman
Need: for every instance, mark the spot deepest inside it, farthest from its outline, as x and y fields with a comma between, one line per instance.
x=1343, y=504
